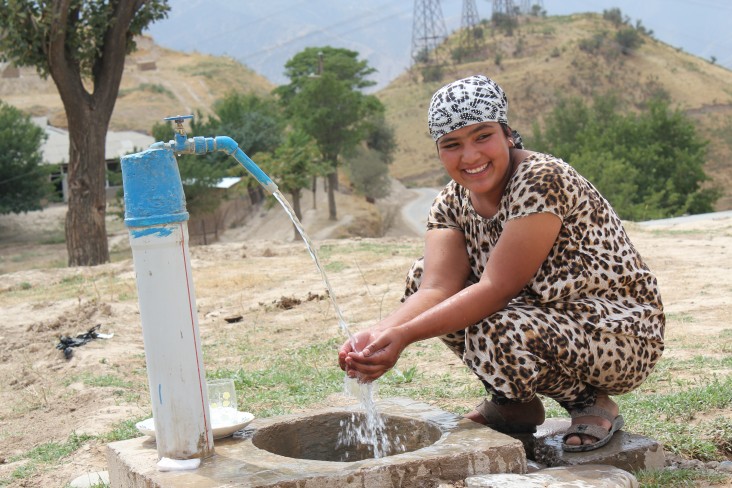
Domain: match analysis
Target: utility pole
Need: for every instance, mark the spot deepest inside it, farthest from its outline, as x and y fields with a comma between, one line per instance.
x=471, y=39
x=428, y=31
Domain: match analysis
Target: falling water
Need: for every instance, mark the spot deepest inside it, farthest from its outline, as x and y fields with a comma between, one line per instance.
x=311, y=249
x=372, y=431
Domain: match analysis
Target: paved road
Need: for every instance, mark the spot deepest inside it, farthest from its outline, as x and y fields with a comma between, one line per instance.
x=687, y=218
x=415, y=212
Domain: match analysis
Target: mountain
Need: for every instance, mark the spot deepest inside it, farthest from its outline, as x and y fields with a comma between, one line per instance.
x=539, y=63
x=542, y=61
x=156, y=83
x=264, y=35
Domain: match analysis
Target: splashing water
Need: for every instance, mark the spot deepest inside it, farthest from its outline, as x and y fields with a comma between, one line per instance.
x=372, y=431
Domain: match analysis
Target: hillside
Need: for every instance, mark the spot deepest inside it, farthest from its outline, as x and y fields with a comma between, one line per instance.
x=541, y=62
x=156, y=83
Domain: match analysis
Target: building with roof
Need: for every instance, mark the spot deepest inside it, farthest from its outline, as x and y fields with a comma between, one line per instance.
x=55, y=149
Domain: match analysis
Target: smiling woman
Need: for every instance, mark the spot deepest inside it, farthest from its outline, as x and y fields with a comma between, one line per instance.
x=528, y=276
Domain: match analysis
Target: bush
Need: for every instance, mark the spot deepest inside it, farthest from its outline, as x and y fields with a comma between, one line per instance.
x=24, y=182
x=648, y=165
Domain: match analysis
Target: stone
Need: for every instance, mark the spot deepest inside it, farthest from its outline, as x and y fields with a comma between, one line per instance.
x=87, y=480
x=725, y=466
x=460, y=449
x=630, y=452
x=586, y=476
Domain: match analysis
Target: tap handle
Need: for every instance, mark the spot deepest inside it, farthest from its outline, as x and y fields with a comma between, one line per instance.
x=178, y=119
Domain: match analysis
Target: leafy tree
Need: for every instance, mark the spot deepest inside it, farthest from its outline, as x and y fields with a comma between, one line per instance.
x=324, y=100
x=648, y=165
x=82, y=45
x=199, y=174
x=292, y=165
x=254, y=122
x=23, y=182
x=369, y=173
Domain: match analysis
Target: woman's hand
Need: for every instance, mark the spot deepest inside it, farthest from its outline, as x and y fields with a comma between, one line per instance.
x=381, y=351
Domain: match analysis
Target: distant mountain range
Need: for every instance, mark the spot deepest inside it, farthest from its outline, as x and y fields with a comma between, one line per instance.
x=264, y=35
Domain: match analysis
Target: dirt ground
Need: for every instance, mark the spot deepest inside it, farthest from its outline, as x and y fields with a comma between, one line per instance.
x=46, y=398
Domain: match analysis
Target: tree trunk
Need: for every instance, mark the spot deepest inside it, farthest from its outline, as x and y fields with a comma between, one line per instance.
x=296, y=208
x=86, y=233
x=88, y=115
x=332, y=186
x=315, y=191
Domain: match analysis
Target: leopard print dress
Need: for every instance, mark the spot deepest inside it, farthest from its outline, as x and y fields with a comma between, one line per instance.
x=590, y=319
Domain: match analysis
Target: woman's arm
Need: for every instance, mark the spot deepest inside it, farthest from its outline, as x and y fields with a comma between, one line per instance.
x=446, y=269
x=522, y=248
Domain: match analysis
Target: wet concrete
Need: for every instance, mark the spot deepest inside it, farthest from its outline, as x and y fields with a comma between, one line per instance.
x=461, y=450
x=589, y=476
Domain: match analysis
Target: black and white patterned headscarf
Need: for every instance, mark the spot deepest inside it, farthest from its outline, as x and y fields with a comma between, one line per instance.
x=466, y=102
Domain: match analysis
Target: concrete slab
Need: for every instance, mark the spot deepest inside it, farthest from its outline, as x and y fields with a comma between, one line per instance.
x=464, y=449
x=630, y=452
x=588, y=476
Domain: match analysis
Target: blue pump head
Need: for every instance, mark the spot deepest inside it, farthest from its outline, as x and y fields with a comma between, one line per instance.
x=201, y=145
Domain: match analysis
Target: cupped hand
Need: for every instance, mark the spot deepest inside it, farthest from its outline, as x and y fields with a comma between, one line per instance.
x=355, y=343
x=379, y=355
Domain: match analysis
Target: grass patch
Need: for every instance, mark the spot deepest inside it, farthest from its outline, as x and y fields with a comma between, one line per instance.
x=678, y=478
x=691, y=422
x=102, y=381
x=294, y=378
x=124, y=430
x=155, y=88
x=46, y=454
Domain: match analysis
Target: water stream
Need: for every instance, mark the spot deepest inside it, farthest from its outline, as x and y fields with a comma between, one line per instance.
x=372, y=431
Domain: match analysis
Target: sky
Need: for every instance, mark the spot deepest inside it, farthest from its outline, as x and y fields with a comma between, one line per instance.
x=264, y=35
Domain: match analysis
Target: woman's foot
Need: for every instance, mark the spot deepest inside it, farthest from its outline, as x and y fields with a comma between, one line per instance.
x=509, y=416
x=606, y=423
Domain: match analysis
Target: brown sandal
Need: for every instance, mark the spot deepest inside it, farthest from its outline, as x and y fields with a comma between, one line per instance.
x=602, y=434
x=493, y=419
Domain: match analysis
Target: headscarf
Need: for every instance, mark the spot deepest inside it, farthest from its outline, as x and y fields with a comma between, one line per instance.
x=465, y=102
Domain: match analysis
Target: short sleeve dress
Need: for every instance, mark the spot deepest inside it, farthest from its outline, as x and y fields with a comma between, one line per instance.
x=590, y=319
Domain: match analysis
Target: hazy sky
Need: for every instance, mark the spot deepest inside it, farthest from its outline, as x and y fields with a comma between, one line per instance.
x=264, y=35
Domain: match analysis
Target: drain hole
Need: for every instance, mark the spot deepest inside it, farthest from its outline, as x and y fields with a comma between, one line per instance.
x=330, y=437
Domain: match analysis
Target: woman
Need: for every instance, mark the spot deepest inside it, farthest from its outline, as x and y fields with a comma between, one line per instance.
x=528, y=276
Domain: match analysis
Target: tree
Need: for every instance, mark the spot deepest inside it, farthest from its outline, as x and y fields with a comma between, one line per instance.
x=648, y=165
x=291, y=166
x=82, y=45
x=23, y=182
x=369, y=173
x=324, y=100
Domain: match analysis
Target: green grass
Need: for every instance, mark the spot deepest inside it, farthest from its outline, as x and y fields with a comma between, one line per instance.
x=293, y=378
x=678, y=478
x=45, y=455
x=106, y=380
x=684, y=404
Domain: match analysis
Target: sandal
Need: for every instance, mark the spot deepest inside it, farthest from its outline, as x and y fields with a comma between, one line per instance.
x=602, y=434
x=493, y=419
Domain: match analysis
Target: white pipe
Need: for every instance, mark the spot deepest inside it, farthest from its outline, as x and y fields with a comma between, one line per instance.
x=156, y=218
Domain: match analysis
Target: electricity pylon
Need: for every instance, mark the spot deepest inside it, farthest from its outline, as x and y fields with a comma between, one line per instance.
x=471, y=39
x=428, y=31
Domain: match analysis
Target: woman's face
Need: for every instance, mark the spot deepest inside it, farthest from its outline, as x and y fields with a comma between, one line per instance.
x=477, y=157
